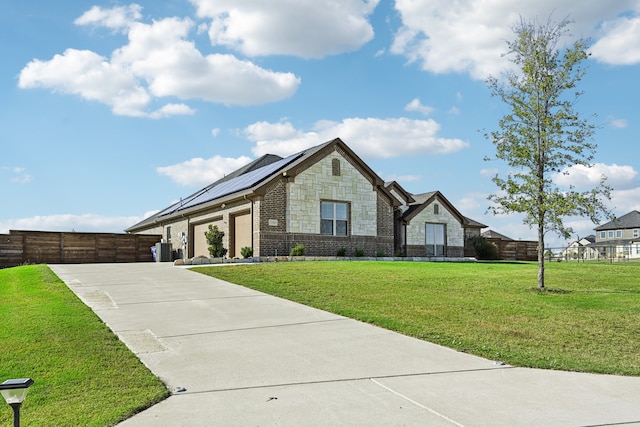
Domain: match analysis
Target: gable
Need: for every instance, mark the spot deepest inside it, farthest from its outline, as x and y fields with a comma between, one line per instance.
x=317, y=183
x=428, y=200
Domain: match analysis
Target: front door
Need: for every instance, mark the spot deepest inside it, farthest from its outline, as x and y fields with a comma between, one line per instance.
x=435, y=239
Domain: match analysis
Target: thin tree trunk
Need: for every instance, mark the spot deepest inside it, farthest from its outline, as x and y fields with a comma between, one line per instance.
x=540, y=257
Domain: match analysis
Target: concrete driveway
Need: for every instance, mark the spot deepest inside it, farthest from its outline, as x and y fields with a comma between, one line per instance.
x=249, y=359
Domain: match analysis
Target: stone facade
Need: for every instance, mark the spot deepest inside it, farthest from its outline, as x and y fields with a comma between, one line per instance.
x=317, y=183
x=290, y=212
x=454, y=233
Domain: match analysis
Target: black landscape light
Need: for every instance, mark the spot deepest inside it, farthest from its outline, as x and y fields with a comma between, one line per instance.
x=14, y=392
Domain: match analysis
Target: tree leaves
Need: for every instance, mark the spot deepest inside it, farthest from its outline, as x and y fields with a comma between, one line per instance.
x=543, y=134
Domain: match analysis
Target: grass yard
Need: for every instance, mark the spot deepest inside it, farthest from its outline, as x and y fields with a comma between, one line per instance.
x=84, y=375
x=588, y=320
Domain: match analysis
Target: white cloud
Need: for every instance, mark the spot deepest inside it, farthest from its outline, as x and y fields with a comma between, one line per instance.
x=581, y=176
x=369, y=137
x=117, y=18
x=199, y=171
x=215, y=132
x=469, y=36
x=159, y=61
x=489, y=172
x=71, y=222
x=471, y=203
x=403, y=178
x=416, y=105
x=18, y=175
x=304, y=28
x=626, y=200
x=91, y=76
x=620, y=44
x=619, y=123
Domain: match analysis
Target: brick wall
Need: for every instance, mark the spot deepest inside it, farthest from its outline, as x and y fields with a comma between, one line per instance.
x=420, y=251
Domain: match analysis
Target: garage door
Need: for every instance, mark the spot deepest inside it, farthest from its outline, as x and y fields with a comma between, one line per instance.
x=242, y=233
x=200, y=246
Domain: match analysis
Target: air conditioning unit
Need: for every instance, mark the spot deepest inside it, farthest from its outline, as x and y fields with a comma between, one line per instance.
x=164, y=252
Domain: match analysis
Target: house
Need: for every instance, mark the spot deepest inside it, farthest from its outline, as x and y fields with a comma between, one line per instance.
x=619, y=238
x=581, y=249
x=325, y=198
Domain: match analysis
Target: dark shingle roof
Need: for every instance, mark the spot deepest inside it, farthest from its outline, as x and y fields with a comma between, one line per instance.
x=490, y=234
x=630, y=220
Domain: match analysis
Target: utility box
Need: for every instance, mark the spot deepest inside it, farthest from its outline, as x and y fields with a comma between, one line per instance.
x=164, y=253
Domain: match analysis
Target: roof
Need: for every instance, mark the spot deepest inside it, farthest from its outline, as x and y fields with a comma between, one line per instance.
x=394, y=186
x=630, y=220
x=590, y=238
x=424, y=199
x=490, y=234
x=473, y=223
x=248, y=179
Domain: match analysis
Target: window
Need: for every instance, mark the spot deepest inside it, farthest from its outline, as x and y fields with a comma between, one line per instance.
x=618, y=234
x=635, y=233
x=610, y=234
x=436, y=209
x=434, y=239
x=637, y=249
x=333, y=218
x=168, y=234
x=335, y=167
x=603, y=234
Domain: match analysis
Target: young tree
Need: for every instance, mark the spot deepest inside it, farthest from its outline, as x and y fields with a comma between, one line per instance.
x=214, y=239
x=543, y=135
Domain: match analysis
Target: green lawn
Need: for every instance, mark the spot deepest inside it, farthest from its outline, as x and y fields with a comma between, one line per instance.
x=84, y=375
x=588, y=320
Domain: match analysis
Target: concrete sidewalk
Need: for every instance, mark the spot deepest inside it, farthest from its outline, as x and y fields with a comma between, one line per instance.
x=250, y=359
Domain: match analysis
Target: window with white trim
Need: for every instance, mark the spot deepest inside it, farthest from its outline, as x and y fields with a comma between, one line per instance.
x=334, y=218
x=618, y=234
x=434, y=239
x=635, y=233
x=603, y=234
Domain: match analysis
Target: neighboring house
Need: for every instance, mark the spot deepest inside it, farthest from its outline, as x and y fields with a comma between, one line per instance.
x=581, y=249
x=325, y=198
x=619, y=238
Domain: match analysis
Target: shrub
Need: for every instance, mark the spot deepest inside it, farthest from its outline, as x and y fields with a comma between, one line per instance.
x=342, y=252
x=380, y=254
x=246, y=252
x=484, y=249
x=298, y=250
x=359, y=252
x=214, y=240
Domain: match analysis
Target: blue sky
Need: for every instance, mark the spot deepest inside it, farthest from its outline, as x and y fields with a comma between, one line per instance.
x=113, y=110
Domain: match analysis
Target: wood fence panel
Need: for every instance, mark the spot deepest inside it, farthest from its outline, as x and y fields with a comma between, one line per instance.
x=41, y=247
x=516, y=250
x=11, y=249
x=46, y=247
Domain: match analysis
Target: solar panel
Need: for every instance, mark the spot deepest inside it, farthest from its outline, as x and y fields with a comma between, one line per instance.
x=231, y=186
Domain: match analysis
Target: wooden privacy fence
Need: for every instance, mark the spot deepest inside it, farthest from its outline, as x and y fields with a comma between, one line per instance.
x=519, y=250
x=49, y=247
